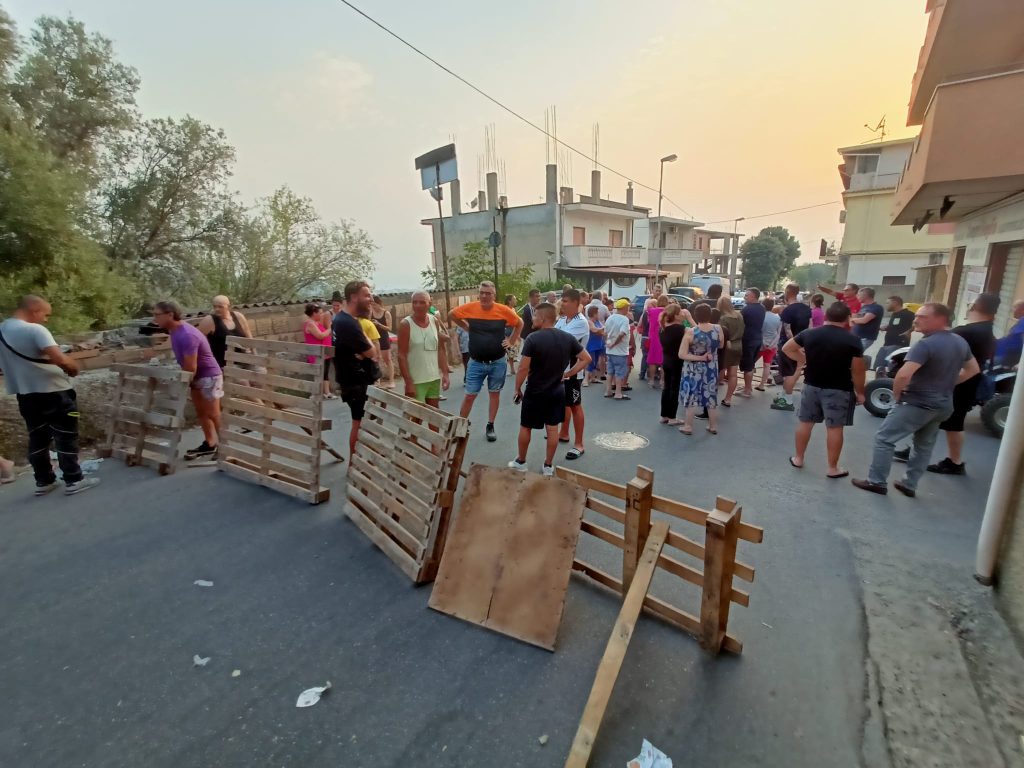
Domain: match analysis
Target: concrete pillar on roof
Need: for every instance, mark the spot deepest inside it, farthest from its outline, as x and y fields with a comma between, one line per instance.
x=492, y=190
x=551, y=183
x=456, y=192
x=595, y=185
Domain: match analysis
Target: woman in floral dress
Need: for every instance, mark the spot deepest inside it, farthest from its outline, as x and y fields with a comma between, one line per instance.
x=698, y=387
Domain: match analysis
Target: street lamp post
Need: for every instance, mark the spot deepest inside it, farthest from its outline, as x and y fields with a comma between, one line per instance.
x=735, y=253
x=657, y=229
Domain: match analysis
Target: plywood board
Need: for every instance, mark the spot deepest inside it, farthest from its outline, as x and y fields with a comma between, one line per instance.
x=507, y=560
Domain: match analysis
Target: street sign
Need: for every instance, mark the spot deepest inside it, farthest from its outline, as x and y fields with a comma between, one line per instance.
x=494, y=240
x=437, y=167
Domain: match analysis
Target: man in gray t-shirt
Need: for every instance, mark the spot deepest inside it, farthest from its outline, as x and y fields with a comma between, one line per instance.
x=38, y=372
x=923, y=390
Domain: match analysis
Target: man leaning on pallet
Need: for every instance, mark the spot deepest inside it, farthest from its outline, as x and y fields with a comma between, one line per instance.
x=39, y=374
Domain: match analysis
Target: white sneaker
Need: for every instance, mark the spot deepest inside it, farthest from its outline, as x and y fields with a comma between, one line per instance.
x=42, y=490
x=547, y=471
x=516, y=465
x=82, y=485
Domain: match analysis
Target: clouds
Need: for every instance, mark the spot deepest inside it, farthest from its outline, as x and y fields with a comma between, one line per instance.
x=325, y=90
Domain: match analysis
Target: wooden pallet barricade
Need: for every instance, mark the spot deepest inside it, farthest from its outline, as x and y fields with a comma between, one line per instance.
x=643, y=544
x=274, y=393
x=723, y=528
x=147, y=415
x=403, y=477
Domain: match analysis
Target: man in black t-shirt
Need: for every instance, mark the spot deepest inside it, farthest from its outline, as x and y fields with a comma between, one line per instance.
x=897, y=331
x=833, y=383
x=753, y=324
x=977, y=332
x=868, y=320
x=796, y=318
x=543, y=368
x=352, y=353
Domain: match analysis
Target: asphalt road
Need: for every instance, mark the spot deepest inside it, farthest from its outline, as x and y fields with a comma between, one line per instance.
x=101, y=618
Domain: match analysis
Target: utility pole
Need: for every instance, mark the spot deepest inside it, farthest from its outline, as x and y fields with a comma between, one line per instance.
x=444, y=250
x=657, y=223
x=734, y=262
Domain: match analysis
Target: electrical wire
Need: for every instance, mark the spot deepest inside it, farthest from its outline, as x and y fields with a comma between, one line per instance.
x=777, y=213
x=508, y=109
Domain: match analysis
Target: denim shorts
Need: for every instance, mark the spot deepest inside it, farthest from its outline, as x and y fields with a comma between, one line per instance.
x=494, y=372
x=618, y=366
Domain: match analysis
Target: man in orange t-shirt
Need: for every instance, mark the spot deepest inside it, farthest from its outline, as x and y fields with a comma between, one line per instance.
x=485, y=321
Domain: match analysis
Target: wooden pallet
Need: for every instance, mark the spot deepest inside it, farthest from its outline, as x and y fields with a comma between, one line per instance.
x=271, y=390
x=403, y=477
x=643, y=542
x=507, y=562
x=147, y=415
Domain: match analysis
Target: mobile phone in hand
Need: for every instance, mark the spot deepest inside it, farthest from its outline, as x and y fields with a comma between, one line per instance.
x=517, y=399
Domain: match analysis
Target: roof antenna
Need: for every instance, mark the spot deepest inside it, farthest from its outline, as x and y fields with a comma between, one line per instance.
x=879, y=129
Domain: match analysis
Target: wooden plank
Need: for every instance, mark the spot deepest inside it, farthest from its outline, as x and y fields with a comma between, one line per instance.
x=138, y=415
x=281, y=365
x=697, y=516
x=719, y=555
x=606, y=509
x=507, y=561
x=238, y=375
x=296, y=475
x=237, y=391
x=289, y=347
x=406, y=484
x=298, y=438
x=406, y=427
x=695, y=577
x=290, y=489
x=384, y=521
x=386, y=442
x=438, y=536
x=691, y=547
x=161, y=372
x=405, y=501
x=638, y=525
x=397, y=555
x=615, y=652
x=592, y=483
x=113, y=419
x=444, y=422
x=139, y=445
x=229, y=437
x=678, y=618
x=273, y=414
x=603, y=534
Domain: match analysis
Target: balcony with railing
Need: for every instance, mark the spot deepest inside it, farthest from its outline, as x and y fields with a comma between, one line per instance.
x=621, y=256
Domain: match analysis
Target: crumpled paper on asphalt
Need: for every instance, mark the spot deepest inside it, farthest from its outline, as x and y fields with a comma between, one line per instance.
x=311, y=696
x=650, y=757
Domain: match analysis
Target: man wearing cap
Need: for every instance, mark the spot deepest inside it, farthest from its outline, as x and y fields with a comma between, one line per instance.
x=616, y=334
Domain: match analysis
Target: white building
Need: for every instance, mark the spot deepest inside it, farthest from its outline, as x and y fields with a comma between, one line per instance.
x=873, y=253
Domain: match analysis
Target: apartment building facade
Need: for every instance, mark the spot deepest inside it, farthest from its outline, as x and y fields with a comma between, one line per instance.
x=873, y=252
x=967, y=167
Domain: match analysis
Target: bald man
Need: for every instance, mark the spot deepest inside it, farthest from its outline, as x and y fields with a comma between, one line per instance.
x=221, y=323
x=39, y=374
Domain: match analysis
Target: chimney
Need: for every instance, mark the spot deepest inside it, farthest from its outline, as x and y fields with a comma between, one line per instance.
x=456, y=198
x=481, y=200
x=595, y=186
x=629, y=195
x=551, y=187
x=492, y=190
x=567, y=195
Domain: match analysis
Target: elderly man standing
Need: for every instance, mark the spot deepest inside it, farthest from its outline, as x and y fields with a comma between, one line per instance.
x=192, y=351
x=422, y=355
x=39, y=374
x=486, y=320
x=923, y=390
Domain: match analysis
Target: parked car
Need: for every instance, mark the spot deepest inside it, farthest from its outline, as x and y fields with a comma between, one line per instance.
x=637, y=305
x=704, y=282
x=693, y=292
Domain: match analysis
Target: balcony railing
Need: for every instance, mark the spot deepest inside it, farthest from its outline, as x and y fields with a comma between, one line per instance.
x=620, y=256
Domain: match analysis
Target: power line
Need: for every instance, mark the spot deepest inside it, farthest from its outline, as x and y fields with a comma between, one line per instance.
x=508, y=109
x=777, y=213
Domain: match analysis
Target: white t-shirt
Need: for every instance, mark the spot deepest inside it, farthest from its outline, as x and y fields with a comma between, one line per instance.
x=771, y=331
x=23, y=376
x=617, y=324
x=602, y=310
x=577, y=327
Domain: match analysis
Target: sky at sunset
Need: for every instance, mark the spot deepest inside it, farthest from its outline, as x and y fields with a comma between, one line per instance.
x=753, y=97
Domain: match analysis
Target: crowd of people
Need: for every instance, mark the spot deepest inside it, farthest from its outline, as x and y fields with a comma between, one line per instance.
x=700, y=356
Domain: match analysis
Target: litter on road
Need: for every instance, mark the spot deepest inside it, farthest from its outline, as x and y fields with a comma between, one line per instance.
x=203, y=583
x=237, y=673
x=199, y=661
x=311, y=696
x=650, y=757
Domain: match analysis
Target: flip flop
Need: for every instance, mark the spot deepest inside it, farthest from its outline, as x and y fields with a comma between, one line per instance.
x=687, y=432
x=841, y=475
x=712, y=431
x=794, y=465
x=574, y=453
x=759, y=389
x=563, y=439
x=726, y=405
x=624, y=397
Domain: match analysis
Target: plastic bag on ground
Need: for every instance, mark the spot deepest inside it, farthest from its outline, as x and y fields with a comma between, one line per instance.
x=650, y=757
x=311, y=696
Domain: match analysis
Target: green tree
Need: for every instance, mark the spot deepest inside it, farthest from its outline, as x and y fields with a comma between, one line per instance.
x=808, y=276
x=72, y=90
x=476, y=264
x=164, y=200
x=764, y=257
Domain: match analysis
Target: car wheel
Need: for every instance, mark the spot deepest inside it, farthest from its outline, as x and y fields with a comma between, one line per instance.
x=994, y=413
x=878, y=397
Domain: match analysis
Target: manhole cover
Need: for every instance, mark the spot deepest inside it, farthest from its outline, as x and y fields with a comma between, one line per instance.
x=621, y=441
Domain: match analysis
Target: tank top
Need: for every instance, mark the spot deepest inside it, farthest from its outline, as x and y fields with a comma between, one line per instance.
x=309, y=338
x=219, y=337
x=422, y=355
